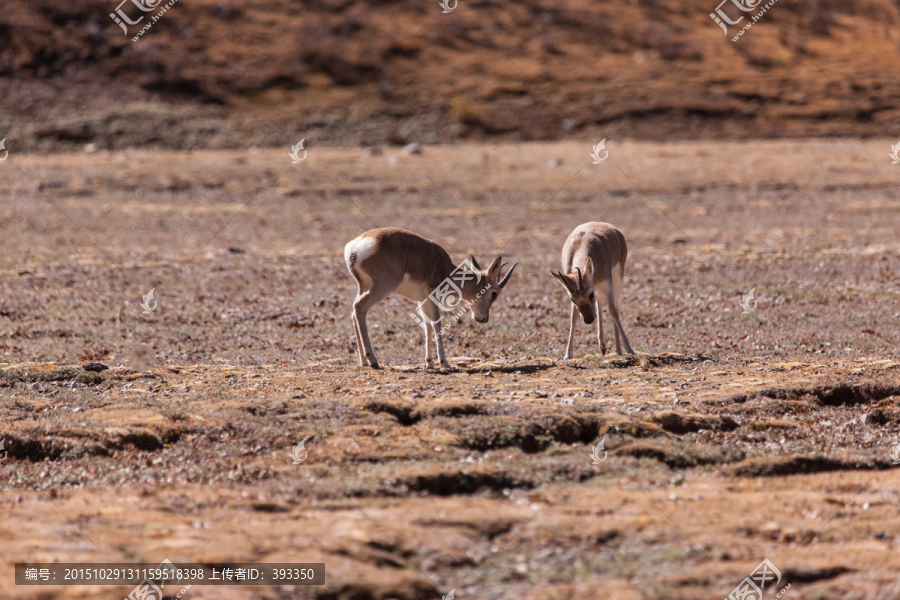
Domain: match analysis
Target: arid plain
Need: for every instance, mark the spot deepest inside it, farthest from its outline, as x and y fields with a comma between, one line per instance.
x=732, y=437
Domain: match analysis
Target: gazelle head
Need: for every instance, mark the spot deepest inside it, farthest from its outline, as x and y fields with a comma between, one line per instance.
x=580, y=286
x=488, y=288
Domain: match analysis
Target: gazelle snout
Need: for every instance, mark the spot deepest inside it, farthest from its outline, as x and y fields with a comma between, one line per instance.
x=588, y=315
x=481, y=307
x=494, y=282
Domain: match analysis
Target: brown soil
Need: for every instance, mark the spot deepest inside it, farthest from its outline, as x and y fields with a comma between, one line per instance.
x=236, y=74
x=731, y=437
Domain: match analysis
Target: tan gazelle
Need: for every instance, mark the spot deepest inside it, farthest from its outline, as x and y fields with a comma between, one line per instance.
x=593, y=258
x=395, y=261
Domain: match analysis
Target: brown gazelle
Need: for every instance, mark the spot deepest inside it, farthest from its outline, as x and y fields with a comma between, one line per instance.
x=394, y=261
x=593, y=258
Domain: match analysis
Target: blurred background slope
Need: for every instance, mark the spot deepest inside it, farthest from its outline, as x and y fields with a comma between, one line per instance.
x=232, y=73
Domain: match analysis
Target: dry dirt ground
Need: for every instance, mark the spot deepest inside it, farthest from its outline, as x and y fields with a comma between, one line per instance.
x=731, y=438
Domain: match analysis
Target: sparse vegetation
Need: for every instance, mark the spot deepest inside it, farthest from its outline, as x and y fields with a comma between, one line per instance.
x=300, y=64
x=465, y=111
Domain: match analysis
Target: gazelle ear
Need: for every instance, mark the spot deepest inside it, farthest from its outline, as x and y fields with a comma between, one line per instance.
x=474, y=262
x=563, y=280
x=589, y=269
x=494, y=269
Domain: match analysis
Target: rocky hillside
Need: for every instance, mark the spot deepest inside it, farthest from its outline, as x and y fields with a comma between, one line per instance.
x=238, y=73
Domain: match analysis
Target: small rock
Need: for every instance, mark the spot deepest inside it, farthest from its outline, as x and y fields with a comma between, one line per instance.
x=236, y=250
x=298, y=397
x=79, y=409
x=376, y=151
x=554, y=162
x=95, y=367
x=770, y=528
x=411, y=149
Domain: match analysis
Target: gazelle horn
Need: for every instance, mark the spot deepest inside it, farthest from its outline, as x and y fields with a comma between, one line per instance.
x=580, y=282
x=506, y=277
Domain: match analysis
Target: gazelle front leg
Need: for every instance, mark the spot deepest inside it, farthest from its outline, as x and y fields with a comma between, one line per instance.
x=433, y=314
x=614, y=313
x=429, y=334
x=600, y=337
x=429, y=360
x=570, y=347
x=439, y=338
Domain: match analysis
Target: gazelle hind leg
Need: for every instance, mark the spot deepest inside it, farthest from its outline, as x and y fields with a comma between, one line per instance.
x=359, y=345
x=601, y=338
x=617, y=292
x=360, y=348
x=361, y=307
x=614, y=313
x=617, y=283
x=618, y=340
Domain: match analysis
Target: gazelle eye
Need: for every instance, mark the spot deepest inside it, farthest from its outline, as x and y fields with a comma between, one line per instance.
x=592, y=296
x=493, y=296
